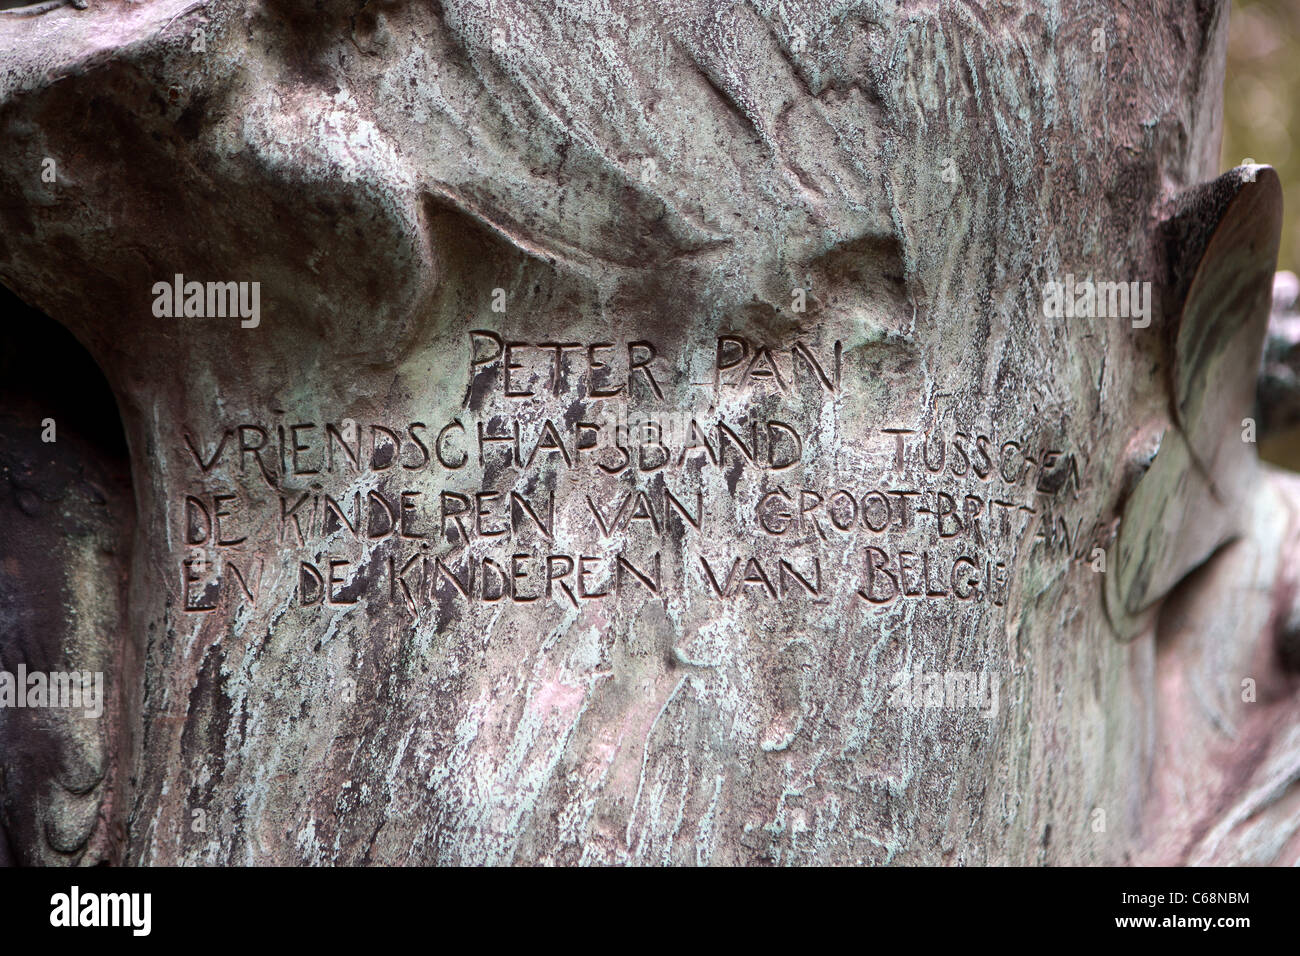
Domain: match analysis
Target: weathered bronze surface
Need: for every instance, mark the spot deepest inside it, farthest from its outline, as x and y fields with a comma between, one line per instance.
x=633, y=432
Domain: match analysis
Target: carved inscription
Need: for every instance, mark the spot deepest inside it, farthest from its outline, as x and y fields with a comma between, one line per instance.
x=590, y=473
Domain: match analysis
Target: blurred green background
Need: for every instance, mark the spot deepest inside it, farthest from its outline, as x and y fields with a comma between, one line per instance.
x=1261, y=106
x=1261, y=101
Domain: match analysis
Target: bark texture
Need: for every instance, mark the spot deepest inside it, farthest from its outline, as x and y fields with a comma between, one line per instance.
x=808, y=243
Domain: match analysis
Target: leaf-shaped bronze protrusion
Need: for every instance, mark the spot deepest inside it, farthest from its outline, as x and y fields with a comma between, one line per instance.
x=1222, y=251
